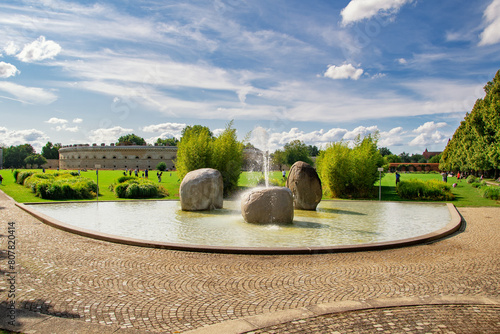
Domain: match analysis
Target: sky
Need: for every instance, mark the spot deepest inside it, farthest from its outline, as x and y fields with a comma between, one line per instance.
x=320, y=71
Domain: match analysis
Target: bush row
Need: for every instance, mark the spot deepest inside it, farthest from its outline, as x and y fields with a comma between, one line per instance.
x=59, y=186
x=432, y=190
x=134, y=187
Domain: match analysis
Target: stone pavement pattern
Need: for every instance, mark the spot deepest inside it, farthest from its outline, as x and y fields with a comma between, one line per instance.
x=93, y=281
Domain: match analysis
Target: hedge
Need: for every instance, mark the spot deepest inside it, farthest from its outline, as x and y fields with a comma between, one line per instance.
x=432, y=190
x=134, y=187
x=59, y=186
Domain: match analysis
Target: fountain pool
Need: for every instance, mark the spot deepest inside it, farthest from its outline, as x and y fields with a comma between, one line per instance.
x=335, y=224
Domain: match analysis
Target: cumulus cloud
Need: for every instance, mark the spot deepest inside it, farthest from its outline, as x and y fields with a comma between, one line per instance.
x=358, y=10
x=428, y=134
x=491, y=34
x=165, y=127
x=7, y=70
x=393, y=137
x=29, y=95
x=10, y=48
x=346, y=71
x=77, y=120
x=109, y=135
x=55, y=120
x=34, y=137
x=360, y=131
x=39, y=49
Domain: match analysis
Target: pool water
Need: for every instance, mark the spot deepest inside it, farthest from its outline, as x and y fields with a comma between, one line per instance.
x=334, y=223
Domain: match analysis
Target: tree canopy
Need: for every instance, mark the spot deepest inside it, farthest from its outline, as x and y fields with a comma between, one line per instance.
x=475, y=145
x=50, y=151
x=167, y=141
x=131, y=139
x=14, y=156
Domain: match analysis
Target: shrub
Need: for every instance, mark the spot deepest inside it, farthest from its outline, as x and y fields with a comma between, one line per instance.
x=161, y=166
x=432, y=190
x=471, y=179
x=139, y=188
x=491, y=192
x=59, y=186
x=22, y=176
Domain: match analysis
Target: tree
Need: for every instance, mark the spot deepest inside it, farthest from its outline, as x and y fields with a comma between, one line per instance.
x=35, y=160
x=350, y=172
x=50, y=151
x=392, y=158
x=199, y=149
x=405, y=157
x=313, y=150
x=385, y=151
x=194, y=149
x=161, y=166
x=278, y=158
x=168, y=141
x=475, y=145
x=131, y=139
x=436, y=158
x=14, y=156
x=417, y=158
x=295, y=151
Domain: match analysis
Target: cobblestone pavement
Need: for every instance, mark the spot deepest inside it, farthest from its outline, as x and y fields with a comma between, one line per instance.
x=166, y=291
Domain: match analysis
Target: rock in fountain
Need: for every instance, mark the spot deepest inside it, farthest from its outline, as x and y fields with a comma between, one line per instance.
x=305, y=185
x=272, y=205
x=201, y=189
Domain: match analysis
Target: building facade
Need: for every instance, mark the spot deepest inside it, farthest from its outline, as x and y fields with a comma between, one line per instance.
x=116, y=157
x=132, y=157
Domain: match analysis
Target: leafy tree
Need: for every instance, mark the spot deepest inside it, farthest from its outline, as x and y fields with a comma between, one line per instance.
x=278, y=158
x=385, y=151
x=313, y=150
x=131, y=139
x=295, y=151
x=228, y=157
x=50, y=151
x=35, y=160
x=475, y=145
x=405, y=157
x=350, y=172
x=199, y=149
x=392, y=158
x=167, y=141
x=435, y=159
x=194, y=149
x=161, y=166
x=14, y=155
x=417, y=158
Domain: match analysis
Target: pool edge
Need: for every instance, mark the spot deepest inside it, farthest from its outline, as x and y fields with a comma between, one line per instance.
x=453, y=226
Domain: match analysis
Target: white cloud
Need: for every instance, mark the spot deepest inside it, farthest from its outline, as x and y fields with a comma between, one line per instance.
x=360, y=131
x=55, y=120
x=358, y=10
x=64, y=127
x=346, y=71
x=491, y=34
x=10, y=48
x=165, y=127
x=7, y=70
x=34, y=137
x=29, y=95
x=109, y=135
x=77, y=120
x=393, y=137
x=428, y=134
x=39, y=49
x=402, y=61
x=429, y=127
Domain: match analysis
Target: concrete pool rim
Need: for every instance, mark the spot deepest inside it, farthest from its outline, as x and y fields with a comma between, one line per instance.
x=452, y=227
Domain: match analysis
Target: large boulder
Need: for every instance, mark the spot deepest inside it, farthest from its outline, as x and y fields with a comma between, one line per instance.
x=201, y=189
x=272, y=205
x=305, y=185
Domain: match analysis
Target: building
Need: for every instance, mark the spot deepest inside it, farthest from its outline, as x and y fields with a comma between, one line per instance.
x=429, y=155
x=116, y=157
x=132, y=157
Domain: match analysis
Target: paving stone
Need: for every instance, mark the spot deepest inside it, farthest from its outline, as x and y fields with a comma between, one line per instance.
x=132, y=288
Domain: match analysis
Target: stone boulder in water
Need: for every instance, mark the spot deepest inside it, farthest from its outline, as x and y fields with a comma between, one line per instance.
x=272, y=205
x=201, y=189
x=305, y=185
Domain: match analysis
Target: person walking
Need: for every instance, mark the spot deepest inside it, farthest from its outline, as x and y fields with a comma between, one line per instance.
x=397, y=178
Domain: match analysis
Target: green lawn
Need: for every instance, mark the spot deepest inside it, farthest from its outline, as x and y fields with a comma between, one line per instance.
x=465, y=194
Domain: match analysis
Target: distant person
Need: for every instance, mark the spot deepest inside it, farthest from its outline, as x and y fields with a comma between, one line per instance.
x=1, y=179
x=284, y=174
x=146, y=173
x=397, y=178
x=445, y=176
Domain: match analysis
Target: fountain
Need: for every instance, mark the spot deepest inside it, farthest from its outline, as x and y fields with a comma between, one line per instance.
x=270, y=226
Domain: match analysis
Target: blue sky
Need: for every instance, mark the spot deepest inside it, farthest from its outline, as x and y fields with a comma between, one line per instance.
x=319, y=71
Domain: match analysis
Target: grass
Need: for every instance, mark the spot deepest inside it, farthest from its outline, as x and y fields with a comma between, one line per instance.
x=465, y=194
